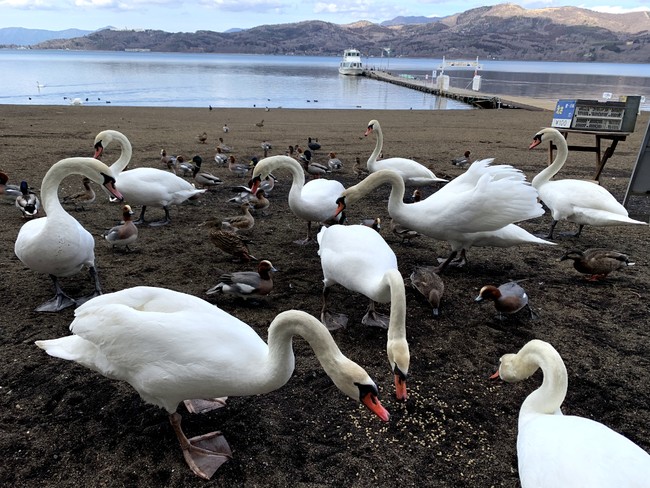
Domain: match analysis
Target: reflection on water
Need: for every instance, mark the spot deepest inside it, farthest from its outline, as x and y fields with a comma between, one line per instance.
x=199, y=80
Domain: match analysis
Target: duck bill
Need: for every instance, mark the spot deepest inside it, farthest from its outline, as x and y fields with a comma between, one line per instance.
x=374, y=405
x=400, y=388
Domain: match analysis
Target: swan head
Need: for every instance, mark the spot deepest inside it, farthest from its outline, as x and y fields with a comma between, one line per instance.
x=354, y=381
x=547, y=134
x=340, y=208
x=108, y=182
x=522, y=365
x=372, y=125
x=102, y=140
x=399, y=359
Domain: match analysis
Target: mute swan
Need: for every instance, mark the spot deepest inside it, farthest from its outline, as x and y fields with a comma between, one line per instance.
x=57, y=244
x=557, y=450
x=468, y=211
x=171, y=347
x=357, y=258
x=578, y=201
x=508, y=298
x=597, y=262
x=413, y=173
x=246, y=284
x=313, y=201
x=144, y=186
x=124, y=234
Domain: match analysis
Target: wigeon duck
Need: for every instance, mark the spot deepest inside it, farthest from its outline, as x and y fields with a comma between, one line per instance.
x=124, y=234
x=334, y=163
x=425, y=280
x=238, y=169
x=508, y=298
x=171, y=347
x=556, y=450
x=412, y=172
x=463, y=160
x=579, y=201
x=597, y=263
x=245, y=221
x=28, y=203
x=81, y=199
x=246, y=284
x=10, y=192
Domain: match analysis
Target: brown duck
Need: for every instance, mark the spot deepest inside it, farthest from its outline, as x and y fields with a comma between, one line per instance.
x=425, y=280
x=597, y=263
x=230, y=242
x=245, y=221
x=508, y=298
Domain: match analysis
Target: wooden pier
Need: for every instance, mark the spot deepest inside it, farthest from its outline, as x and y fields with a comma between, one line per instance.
x=470, y=97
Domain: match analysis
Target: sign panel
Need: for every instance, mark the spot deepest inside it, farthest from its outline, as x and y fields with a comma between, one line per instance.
x=640, y=180
x=563, y=115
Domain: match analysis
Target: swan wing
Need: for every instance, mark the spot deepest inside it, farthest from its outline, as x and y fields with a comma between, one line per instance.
x=317, y=200
x=150, y=186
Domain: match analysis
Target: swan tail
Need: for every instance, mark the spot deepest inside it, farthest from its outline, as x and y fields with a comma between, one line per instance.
x=71, y=348
x=603, y=218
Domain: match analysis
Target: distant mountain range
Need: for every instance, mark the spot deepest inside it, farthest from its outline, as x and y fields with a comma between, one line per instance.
x=19, y=36
x=504, y=31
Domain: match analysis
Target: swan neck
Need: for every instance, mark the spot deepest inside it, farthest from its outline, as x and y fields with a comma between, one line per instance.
x=560, y=158
x=548, y=398
x=378, y=145
x=397, y=323
x=374, y=180
x=125, y=155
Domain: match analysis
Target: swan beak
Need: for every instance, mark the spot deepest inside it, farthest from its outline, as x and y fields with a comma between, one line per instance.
x=340, y=206
x=256, y=184
x=99, y=149
x=109, y=184
x=495, y=375
x=537, y=140
x=371, y=401
x=400, y=387
x=368, y=131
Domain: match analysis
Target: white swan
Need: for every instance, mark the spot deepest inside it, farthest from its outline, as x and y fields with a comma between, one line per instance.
x=556, y=450
x=412, y=172
x=578, y=201
x=144, y=186
x=477, y=208
x=357, y=258
x=313, y=202
x=57, y=244
x=172, y=347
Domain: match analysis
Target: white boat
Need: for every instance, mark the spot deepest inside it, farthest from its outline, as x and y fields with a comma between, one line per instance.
x=351, y=63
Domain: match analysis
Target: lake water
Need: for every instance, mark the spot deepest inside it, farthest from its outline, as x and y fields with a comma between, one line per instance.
x=235, y=80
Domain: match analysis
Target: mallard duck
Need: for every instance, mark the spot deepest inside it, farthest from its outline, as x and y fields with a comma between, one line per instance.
x=312, y=201
x=357, y=258
x=220, y=157
x=230, y=242
x=28, y=203
x=578, y=201
x=245, y=221
x=556, y=450
x=425, y=280
x=246, y=284
x=125, y=233
x=144, y=186
x=508, y=298
x=10, y=192
x=597, y=263
x=57, y=245
x=412, y=172
x=203, y=178
x=81, y=199
x=313, y=144
x=171, y=347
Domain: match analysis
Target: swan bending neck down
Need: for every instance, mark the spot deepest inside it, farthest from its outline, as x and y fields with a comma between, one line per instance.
x=144, y=186
x=412, y=172
x=314, y=201
x=358, y=258
x=578, y=201
x=172, y=347
x=469, y=211
x=57, y=244
x=555, y=450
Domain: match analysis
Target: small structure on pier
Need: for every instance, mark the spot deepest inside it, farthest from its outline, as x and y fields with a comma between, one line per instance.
x=442, y=80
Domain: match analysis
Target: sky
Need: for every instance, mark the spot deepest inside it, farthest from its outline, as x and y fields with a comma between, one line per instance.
x=221, y=15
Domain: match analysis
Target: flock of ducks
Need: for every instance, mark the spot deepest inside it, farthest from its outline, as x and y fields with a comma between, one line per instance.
x=210, y=354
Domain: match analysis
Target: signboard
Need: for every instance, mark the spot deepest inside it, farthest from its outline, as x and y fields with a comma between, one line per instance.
x=564, y=111
x=640, y=180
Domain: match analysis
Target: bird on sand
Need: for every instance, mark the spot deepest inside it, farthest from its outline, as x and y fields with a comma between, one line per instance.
x=246, y=284
x=508, y=298
x=125, y=233
x=597, y=263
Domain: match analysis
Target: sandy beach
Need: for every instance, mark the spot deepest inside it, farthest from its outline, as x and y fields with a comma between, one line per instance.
x=66, y=426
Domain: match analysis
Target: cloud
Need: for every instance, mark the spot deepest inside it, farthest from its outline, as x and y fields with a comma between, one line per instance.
x=27, y=4
x=257, y=6
x=615, y=9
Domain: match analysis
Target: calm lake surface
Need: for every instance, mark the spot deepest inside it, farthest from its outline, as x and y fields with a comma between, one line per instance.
x=243, y=81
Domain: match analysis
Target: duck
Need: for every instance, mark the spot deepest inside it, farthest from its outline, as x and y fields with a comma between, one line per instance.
x=416, y=196
x=430, y=285
x=203, y=138
x=81, y=199
x=167, y=161
x=334, y=163
x=225, y=128
x=57, y=244
x=185, y=168
x=374, y=224
x=313, y=144
x=203, y=178
x=266, y=147
x=358, y=258
x=597, y=263
x=10, y=192
x=171, y=347
x=229, y=241
x=245, y=221
x=578, y=201
x=412, y=172
x=565, y=450
x=402, y=232
x=220, y=157
x=358, y=169
x=314, y=201
x=223, y=146
x=463, y=160
x=260, y=124
x=238, y=169
x=125, y=233
x=28, y=203
x=508, y=298
x=144, y=186
x=246, y=284
x=469, y=211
